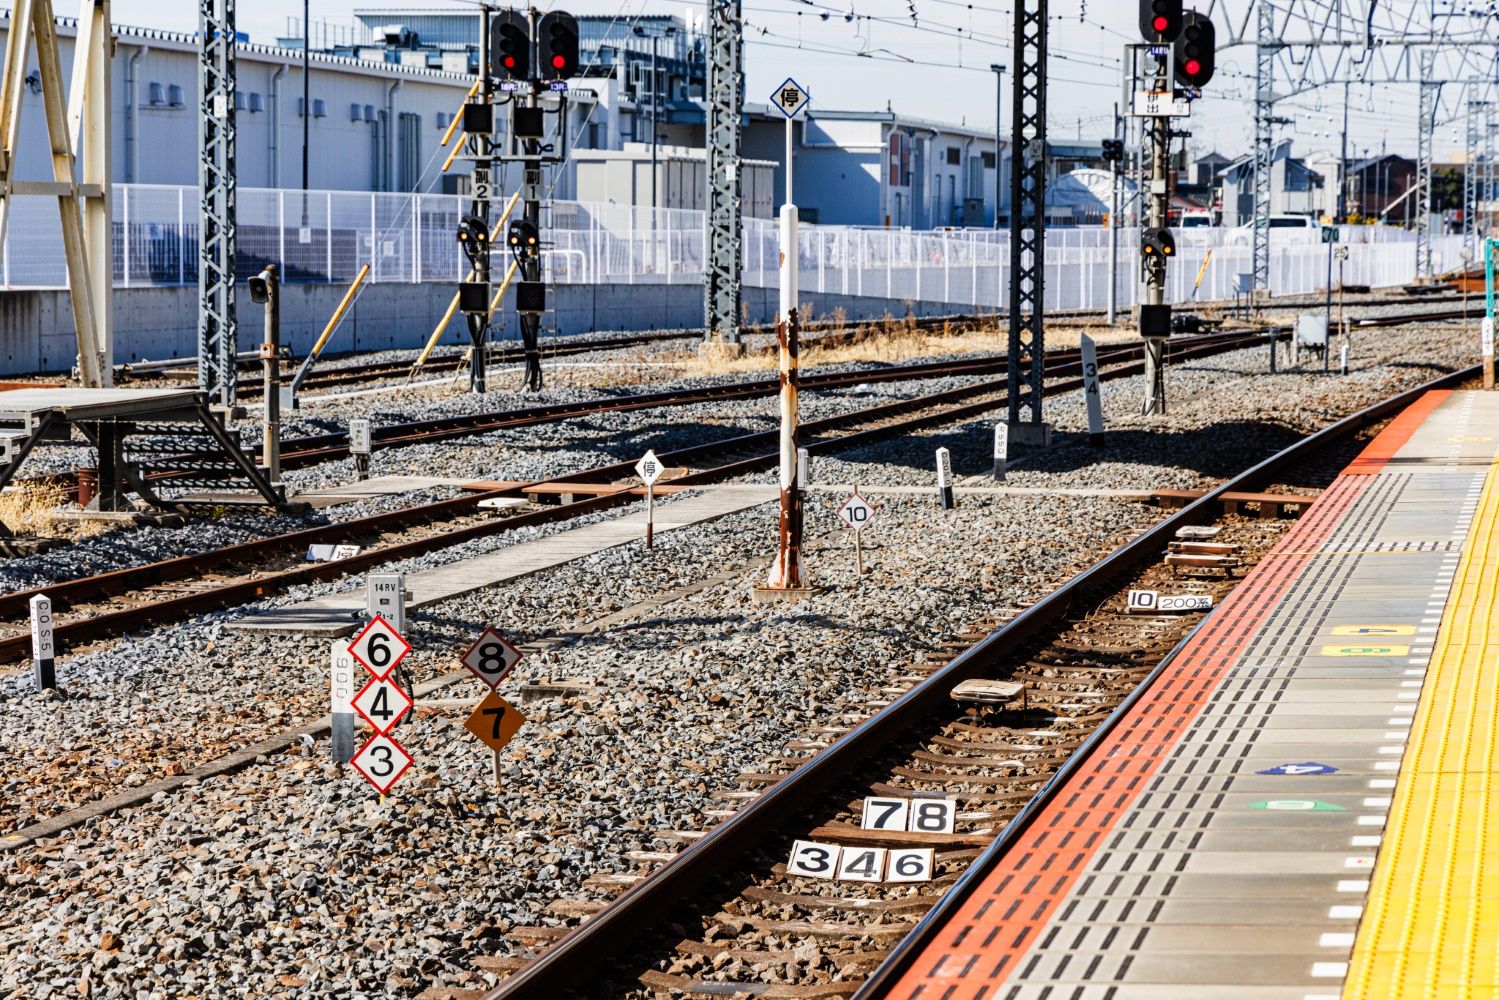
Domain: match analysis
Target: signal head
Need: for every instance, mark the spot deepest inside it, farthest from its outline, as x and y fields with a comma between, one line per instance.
x=1195, y=52
x=1160, y=20
x=558, y=35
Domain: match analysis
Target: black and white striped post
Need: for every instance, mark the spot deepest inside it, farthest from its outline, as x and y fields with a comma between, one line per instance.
x=342, y=662
x=42, y=650
x=944, y=478
x=1091, y=391
x=1001, y=450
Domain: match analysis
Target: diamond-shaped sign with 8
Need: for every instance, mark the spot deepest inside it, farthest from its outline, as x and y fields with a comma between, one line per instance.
x=491, y=658
x=379, y=648
x=382, y=761
x=382, y=704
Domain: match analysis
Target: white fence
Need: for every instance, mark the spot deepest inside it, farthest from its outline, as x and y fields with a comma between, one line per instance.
x=326, y=236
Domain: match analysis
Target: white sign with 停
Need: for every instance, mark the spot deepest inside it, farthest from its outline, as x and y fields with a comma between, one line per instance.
x=790, y=98
x=649, y=468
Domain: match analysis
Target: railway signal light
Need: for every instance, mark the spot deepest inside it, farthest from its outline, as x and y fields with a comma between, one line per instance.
x=523, y=237
x=510, y=48
x=1160, y=20
x=1158, y=243
x=1195, y=51
x=1113, y=150
x=558, y=35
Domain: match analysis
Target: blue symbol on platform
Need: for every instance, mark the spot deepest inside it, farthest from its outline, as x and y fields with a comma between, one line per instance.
x=1310, y=767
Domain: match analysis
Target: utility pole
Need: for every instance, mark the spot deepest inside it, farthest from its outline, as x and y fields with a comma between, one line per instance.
x=482, y=137
x=303, y=235
x=1343, y=164
x=1155, y=315
x=1114, y=153
x=1027, y=354
x=218, y=333
x=530, y=263
x=999, y=104
x=725, y=252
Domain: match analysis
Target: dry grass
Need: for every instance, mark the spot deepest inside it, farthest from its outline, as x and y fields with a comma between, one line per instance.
x=890, y=341
x=32, y=508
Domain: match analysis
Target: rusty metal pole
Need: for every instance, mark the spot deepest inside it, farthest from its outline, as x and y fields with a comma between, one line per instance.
x=786, y=571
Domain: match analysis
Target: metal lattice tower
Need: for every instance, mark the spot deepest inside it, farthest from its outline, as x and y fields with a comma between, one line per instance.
x=1264, y=145
x=722, y=271
x=1028, y=214
x=1473, y=169
x=1486, y=187
x=1425, y=127
x=217, y=332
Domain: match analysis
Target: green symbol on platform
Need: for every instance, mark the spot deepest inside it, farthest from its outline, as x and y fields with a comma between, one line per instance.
x=1296, y=805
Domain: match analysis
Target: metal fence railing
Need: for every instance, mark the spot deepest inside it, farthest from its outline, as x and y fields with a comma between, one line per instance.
x=326, y=236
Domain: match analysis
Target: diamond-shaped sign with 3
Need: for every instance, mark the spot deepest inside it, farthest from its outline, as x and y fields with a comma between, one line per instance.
x=379, y=648
x=382, y=761
x=382, y=704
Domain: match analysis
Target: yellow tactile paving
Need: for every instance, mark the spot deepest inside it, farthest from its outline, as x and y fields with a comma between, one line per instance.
x=1431, y=923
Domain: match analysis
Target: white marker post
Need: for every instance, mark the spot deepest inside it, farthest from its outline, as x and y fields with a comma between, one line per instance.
x=43, y=652
x=944, y=478
x=784, y=580
x=359, y=446
x=1090, y=391
x=342, y=663
x=803, y=468
x=649, y=470
x=1001, y=450
x=1343, y=359
x=1486, y=347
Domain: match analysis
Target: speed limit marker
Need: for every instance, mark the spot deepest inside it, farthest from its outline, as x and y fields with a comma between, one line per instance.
x=856, y=513
x=379, y=648
x=382, y=761
x=382, y=704
x=491, y=658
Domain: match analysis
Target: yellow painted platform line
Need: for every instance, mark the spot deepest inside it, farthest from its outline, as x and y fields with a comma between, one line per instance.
x=1430, y=928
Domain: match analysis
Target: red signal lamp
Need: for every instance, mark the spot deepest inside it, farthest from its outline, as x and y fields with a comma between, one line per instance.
x=559, y=62
x=1193, y=67
x=1161, y=24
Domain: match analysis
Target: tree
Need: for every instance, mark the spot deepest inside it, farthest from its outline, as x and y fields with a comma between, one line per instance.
x=1446, y=189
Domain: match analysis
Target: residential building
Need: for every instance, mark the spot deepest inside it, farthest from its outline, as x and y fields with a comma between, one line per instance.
x=1295, y=188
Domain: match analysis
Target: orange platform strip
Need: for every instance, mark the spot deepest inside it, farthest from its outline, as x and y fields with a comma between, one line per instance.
x=997, y=934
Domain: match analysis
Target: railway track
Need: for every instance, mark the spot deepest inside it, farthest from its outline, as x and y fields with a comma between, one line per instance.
x=357, y=373
x=717, y=913
x=88, y=609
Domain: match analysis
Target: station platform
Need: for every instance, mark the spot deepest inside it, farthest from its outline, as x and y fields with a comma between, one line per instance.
x=1304, y=804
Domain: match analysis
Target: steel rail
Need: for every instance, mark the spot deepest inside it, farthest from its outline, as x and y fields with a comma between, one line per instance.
x=606, y=933
x=67, y=635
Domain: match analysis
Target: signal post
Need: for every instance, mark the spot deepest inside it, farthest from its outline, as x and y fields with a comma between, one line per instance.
x=533, y=55
x=1161, y=92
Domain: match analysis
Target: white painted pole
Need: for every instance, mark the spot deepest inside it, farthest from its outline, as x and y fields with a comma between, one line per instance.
x=43, y=652
x=1091, y=391
x=1001, y=450
x=342, y=664
x=785, y=572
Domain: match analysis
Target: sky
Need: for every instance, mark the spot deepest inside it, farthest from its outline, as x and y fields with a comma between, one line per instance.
x=947, y=77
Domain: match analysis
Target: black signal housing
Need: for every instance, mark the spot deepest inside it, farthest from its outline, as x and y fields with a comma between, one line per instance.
x=1160, y=21
x=1195, y=51
x=557, y=34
